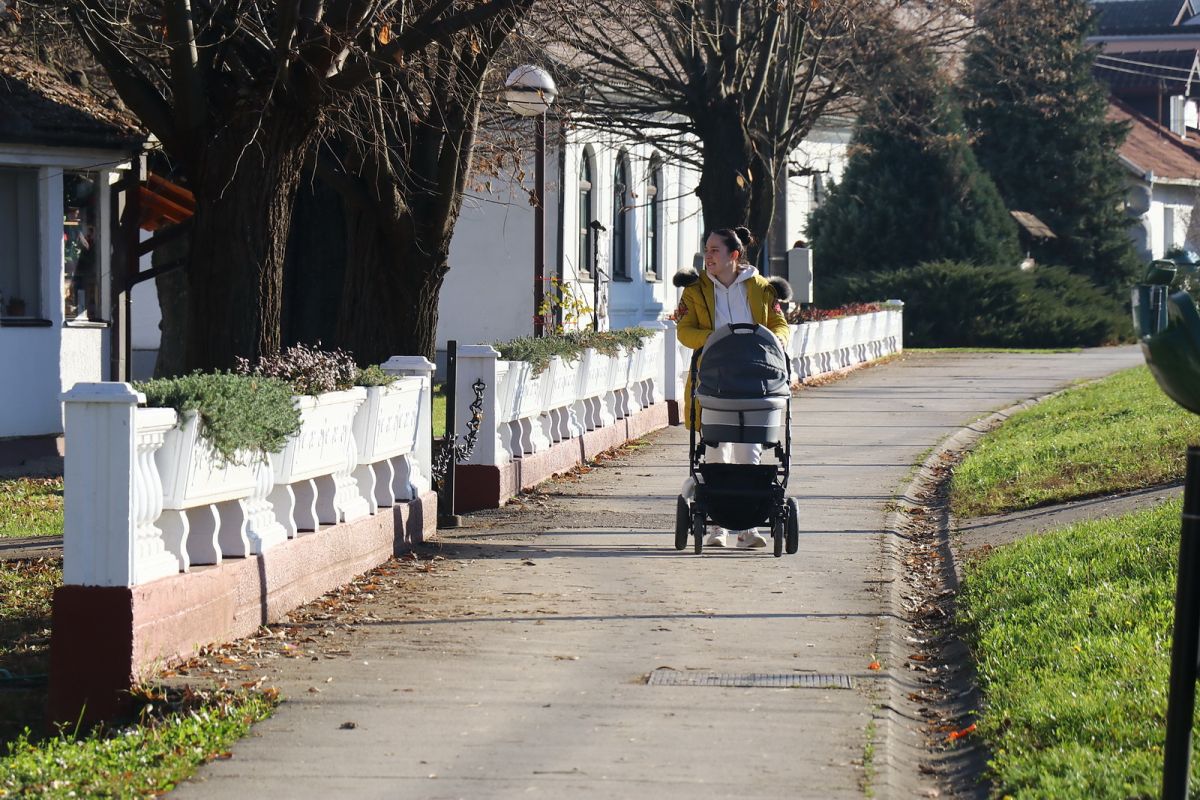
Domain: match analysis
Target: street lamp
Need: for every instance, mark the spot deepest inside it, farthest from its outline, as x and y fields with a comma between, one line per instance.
x=529, y=91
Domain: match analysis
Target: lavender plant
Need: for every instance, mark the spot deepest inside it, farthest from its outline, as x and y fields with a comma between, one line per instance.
x=309, y=370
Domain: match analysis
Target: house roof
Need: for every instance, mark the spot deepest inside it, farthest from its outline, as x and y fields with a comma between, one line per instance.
x=1152, y=148
x=1143, y=71
x=37, y=106
x=1141, y=16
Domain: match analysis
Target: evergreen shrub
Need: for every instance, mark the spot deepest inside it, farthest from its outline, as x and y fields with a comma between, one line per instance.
x=951, y=304
x=374, y=376
x=238, y=413
x=569, y=346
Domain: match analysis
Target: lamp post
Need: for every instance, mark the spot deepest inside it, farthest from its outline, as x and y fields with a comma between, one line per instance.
x=529, y=91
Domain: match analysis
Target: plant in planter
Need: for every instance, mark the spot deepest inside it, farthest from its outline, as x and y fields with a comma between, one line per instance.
x=313, y=481
x=213, y=465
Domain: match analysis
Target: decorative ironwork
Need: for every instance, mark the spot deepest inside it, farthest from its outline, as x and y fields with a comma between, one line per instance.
x=451, y=448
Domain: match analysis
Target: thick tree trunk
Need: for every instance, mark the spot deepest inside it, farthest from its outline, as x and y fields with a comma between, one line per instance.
x=739, y=187
x=316, y=258
x=393, y=279
x=244, y=195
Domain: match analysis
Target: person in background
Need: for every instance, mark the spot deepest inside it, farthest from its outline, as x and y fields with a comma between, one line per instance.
x=728, y=291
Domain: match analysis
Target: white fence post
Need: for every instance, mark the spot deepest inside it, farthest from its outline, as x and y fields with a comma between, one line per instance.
x=113, y=490
x=480, y=362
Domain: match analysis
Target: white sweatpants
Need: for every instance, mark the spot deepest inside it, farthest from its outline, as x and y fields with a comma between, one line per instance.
x=734, y=453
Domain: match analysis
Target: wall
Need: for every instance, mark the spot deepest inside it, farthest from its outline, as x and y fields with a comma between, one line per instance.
x=825, y=150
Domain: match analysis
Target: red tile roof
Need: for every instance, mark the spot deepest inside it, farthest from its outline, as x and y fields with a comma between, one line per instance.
x=1150, y=147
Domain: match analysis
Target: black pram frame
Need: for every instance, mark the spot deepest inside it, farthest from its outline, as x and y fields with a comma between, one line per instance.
x=738, y=496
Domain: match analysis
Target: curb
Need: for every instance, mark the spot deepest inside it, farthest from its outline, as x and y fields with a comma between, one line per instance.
x=908, y=764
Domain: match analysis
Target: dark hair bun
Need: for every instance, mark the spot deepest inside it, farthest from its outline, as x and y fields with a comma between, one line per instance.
x=745, y=235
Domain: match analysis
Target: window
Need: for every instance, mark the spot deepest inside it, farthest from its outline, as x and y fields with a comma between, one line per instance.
x=620, y=227
x=81, y=223
x=20, y=273
x=654, y=217
x=587, y=212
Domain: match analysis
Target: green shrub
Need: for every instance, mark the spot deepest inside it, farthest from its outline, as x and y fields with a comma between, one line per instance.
x=950, y=304
x=237, y=412
x=569, y=346
x=374, y=376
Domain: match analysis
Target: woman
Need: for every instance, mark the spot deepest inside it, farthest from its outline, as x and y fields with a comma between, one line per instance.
x=729, y=291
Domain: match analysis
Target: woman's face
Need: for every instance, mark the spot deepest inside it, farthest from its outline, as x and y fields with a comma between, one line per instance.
x=716, y=255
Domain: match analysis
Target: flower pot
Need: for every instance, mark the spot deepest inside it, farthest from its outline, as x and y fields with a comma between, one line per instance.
x=313, y=481
x=213, y=508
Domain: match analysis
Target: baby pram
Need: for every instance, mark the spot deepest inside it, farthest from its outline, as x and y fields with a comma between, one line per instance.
x=741, y=389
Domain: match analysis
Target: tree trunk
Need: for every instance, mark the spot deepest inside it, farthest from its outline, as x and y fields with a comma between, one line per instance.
x=738, y=188
x=244, y=198
x=316, y=258
x=393, y=279
x=171, y=288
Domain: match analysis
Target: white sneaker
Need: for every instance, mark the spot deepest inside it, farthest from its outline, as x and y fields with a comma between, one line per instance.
x=751, y=539
x=715, y=537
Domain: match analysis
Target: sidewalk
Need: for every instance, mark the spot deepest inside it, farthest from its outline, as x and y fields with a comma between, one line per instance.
x=519, y=669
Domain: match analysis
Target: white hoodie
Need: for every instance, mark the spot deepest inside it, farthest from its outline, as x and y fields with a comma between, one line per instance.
x=732, y=306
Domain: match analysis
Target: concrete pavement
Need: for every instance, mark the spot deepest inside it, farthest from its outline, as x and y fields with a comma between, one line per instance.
x=519, y=669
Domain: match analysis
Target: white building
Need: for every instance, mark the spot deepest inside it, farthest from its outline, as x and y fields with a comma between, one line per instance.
x=652, y=226
x=60, y=155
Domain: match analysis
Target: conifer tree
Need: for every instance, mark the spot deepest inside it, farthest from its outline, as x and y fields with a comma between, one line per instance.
x=912, y=190
x=1038, y=116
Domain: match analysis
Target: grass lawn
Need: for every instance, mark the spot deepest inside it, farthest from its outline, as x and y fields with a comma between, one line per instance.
x=181, y=731
x=31, y=507
x=1071, y=634
x=1117, y=434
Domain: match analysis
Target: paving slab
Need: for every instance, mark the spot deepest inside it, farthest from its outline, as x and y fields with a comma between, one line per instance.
x=520, y=670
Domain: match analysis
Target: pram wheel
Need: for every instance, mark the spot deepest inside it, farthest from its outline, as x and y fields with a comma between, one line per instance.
x=777, y=533
x=683, y=522
x=793, y=526
x=698, y=527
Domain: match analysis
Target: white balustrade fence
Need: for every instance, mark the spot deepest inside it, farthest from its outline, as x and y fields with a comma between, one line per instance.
x=525, y=413
x=148, y=497
x=835, y=344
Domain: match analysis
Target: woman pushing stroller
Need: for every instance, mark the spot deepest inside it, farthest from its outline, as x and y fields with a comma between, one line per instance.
x=729, y=291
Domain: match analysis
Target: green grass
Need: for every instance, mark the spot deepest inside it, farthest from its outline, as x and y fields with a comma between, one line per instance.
x=1071, y=636
x=138, y=761
x=1117, y=434
x=31, y=507
x=175, y=733
x=439, y=411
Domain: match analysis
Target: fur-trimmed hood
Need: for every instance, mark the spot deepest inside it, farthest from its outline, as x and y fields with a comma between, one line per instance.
x=687, y=276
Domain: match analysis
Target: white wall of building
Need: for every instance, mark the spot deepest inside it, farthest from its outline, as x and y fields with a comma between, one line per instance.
x=43, y=361
x=824, y=151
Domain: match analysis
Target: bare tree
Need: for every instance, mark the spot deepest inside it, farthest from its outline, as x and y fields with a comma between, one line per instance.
x=731, y=87
x=237, y=91
x=402, y=175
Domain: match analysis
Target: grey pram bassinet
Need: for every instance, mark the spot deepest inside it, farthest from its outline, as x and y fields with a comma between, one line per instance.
x=743, y=386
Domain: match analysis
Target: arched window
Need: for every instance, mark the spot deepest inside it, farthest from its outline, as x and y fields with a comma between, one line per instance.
x=654, y=218
x=587, y=212
x=620, y=226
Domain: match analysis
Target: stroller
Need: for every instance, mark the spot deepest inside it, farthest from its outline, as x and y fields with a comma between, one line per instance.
x=742, y=391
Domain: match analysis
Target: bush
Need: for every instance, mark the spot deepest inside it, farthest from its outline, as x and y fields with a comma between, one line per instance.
x=237, y=412
x=950, y=304
x=569, y=346
x=813, y=314
x=374, y=376
x=309, y=370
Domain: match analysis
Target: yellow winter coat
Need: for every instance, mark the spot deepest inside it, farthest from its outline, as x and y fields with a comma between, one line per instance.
x=695, y=320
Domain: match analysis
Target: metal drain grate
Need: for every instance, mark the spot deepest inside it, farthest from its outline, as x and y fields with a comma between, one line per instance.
x=788, y=680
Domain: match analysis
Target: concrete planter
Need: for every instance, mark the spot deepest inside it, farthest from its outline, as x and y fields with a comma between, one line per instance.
x=313, y=484
x=385, y=430
x=213, y=508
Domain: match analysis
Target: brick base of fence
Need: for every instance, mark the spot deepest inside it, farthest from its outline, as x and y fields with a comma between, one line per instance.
x=481, y=486
x=106, y=638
